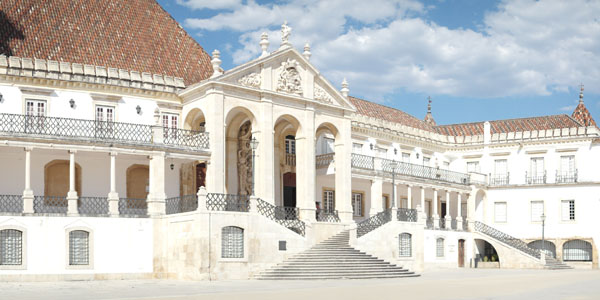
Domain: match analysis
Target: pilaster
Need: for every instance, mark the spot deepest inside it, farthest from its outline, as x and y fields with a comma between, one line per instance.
x=156, y=196
x=376, y=196
x=305, y=167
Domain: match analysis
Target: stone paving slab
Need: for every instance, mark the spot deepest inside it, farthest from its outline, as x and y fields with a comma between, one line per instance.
x=443, y=284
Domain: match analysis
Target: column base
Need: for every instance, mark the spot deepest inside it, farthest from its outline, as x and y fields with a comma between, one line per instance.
x=72, y=198
x=448, y=221
x=113, y=204
x=156, y=205
x=436, y=222
x=28, y=202
x=308, y=215
x=345, y=216
x=459, y=224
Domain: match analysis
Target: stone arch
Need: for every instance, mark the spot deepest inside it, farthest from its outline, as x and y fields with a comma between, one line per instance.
x=548, y=247
x=487, y=249
x=56, y=178
x=138, y=181
x=286, y=129
x=577, y=250
x=195, y=120
x=240, y=125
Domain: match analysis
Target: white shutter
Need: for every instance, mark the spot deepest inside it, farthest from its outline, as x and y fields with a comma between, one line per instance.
x=537, y=209
x=500, y=167
x=500, y=211
x=564, y=210
x=537, y=166
x=567, y=164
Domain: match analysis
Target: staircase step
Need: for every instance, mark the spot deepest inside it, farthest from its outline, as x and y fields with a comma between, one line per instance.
x=380, y=276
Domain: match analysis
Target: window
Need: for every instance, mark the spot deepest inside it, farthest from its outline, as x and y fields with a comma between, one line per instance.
x=577, y=250
x=567, y=165
x=500, y=212
x=328, y=201
x=567, y=208
x=105, y=119
x=536, y=167
x=426, y=161
x=232, y=242
x=357, y=148
x=382, y=152
x=500, y=167
x=405, y=244
x=357, y=203
x=405, y=157
x=169, y=122
x=290, y=144
x=35, y=111
x=11, y=247
x=327, y=145
x=537, y=209
x=439, y=249
x=473, y=167
x=79, y=248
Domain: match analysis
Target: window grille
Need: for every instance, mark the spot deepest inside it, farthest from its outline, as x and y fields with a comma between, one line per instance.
x=537, y=209
x=568, y=210
x=328, y=201
x=405, y=245
x=357, y=204
x=232, y=242
x=500, y=211
x=440, y=247
x=290, y=144
x=11, y=247
x=548, y=247
x=79, y=248
x=577, y=250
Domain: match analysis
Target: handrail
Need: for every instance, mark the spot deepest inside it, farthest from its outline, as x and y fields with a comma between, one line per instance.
x=407, y=214
x=506, y=239
x=373, y=222
x=323, y=215
x=228, y=202
x=180, y=204
x=282, y=215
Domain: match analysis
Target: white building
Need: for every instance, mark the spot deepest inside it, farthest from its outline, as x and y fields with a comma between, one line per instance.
x=116, y=173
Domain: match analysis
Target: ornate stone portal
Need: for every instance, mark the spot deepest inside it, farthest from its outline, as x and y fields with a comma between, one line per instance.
x=289, y=79
x=244, y=159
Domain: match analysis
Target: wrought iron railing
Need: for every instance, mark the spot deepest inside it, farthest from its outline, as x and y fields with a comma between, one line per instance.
x=180, y=204
x=506, y=239
x=290, y=159
x=465, y=224
x=407, y=214
x=228, y=202
x=500, y=179
x=429, y=223
x=566, y=177
x=186, y=138
x=442, y=223
x=282, y=215
x=385, y=166
x=454, y=224
x=324, y=160
x=133, y=206
x=92, y=130
x=373, y=222
x=50, y=205
x=93, y=205
x=11, y=203
x=323, y=215
x=538, y=178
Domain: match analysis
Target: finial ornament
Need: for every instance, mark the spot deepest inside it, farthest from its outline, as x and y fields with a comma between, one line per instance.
x=581, y=94
x=307, y=53
x=345, y=91
x=216, y=63
x=428, y=104
x=286, y=31
x=264, y=44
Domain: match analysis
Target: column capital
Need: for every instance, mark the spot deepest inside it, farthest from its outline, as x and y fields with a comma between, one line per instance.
x=112, y=153
x=28, y=149
x=72, y=151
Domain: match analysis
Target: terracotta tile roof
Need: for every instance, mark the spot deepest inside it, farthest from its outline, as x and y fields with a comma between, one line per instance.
x=382, y=112
x=583, y=116
x=510, y=125
x=133, y=35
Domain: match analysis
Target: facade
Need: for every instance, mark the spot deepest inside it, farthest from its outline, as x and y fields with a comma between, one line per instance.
x=180, y=169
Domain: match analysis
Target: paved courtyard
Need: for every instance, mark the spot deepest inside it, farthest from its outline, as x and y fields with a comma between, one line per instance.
x=445, y=284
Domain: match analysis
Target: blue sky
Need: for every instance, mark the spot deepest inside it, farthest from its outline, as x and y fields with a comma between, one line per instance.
x=478, y=60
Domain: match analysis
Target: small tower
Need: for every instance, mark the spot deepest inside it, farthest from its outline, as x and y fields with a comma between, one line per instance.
x=345, y=89
x=216, y=64
x=264, y=44
x=429, y=117
x=307, y=53
x=581, y=114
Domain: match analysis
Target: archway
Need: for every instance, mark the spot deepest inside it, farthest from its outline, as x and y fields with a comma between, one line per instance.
x=56, y=178
x=138, y=181
x=238, y=158
x=286, y=129
x=485, y=252
x=547, y=246
x=195, y=120
x=328, y=201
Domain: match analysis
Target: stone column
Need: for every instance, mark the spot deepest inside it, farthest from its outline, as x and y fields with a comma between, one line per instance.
x=436, y=217
x=113, y=196
x=409, y=196
x=216, y=128
x=202, y=194
x=28, y=192
x=448, y=217
x=305, y=167
x=376, y=196
x=72, y=194
x=265, y=164
x=423, y=199
x=156, y=195
x=459, y=221
x=343, y=171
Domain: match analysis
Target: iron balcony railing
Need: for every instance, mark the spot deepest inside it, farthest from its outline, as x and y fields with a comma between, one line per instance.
x=324, y=160
x=429, y=223
x=465, y=224
x=133, y=207
x=11, y=203
x=537, y=178
x=442, y=223
x=506, y=239
x=385, y=166
x=373, y=222
x=454, y=225
x=93, y=205
x=92, y=130
x=323, y=215
x=407, y=214
x=500, y=179
x=290, y=159
x=50, y=205
x=285, y=216
x=228, y=202
x=180, y=204
x=566, y=177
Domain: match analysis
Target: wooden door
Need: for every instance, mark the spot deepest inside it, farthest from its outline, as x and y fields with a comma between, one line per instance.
x=200, y=175
x=461, y=253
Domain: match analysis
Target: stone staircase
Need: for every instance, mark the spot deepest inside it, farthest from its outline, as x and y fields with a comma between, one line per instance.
x=333, y=259
x=553, y=264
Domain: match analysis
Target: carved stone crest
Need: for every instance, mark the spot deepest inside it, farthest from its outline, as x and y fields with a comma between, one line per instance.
x=251, y=80
x=322, y=96
x=289, y=79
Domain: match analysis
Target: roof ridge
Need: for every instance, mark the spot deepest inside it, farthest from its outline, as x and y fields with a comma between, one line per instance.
x=396, y=109
x=503, y=120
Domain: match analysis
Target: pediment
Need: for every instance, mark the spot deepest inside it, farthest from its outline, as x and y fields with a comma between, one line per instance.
x=288, y=73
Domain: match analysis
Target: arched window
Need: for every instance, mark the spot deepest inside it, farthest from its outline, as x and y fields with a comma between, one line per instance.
x=439, y=247
x=232, y=242
x=11, y=247
x=79, y=250
x=577, y=250
x=405, y=244
x=549, y=248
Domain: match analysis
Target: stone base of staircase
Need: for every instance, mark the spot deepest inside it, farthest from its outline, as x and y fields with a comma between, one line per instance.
x=333, y=259
x=553, y=264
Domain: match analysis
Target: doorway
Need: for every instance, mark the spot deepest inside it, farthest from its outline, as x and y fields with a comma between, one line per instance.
x=289, y=189
x=200, y=175
x=461, y=253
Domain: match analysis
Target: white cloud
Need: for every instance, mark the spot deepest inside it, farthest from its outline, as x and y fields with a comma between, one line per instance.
x=525, y=47
x=210, y=4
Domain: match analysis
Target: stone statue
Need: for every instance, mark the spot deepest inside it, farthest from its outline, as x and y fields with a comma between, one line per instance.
x=244, y=157
x=285, y=33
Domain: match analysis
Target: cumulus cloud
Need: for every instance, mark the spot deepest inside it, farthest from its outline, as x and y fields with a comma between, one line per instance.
x=524, y=47
x=210, y=4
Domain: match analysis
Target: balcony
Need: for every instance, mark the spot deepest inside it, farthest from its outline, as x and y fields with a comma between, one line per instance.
x=324, y=160
x=364, y=162
x=500, y=179
x=80, y=130
x=290, y=159
x=566, y=177
x=538, y=178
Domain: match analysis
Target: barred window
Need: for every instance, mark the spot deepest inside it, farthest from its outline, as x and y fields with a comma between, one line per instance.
x=568, y=210
x=357, y=204
x=405, y=244
x=439, y=247
x=577, y=250
x=79, y=249
x=11, y=247
x=232, y=242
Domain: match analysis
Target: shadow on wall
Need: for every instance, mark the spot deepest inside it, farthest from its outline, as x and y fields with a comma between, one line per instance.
x=8, y=31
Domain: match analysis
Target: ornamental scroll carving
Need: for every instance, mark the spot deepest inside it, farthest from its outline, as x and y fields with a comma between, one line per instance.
x=244, y=159
x=251, y=80
x=322, y=96
x=289, y=79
